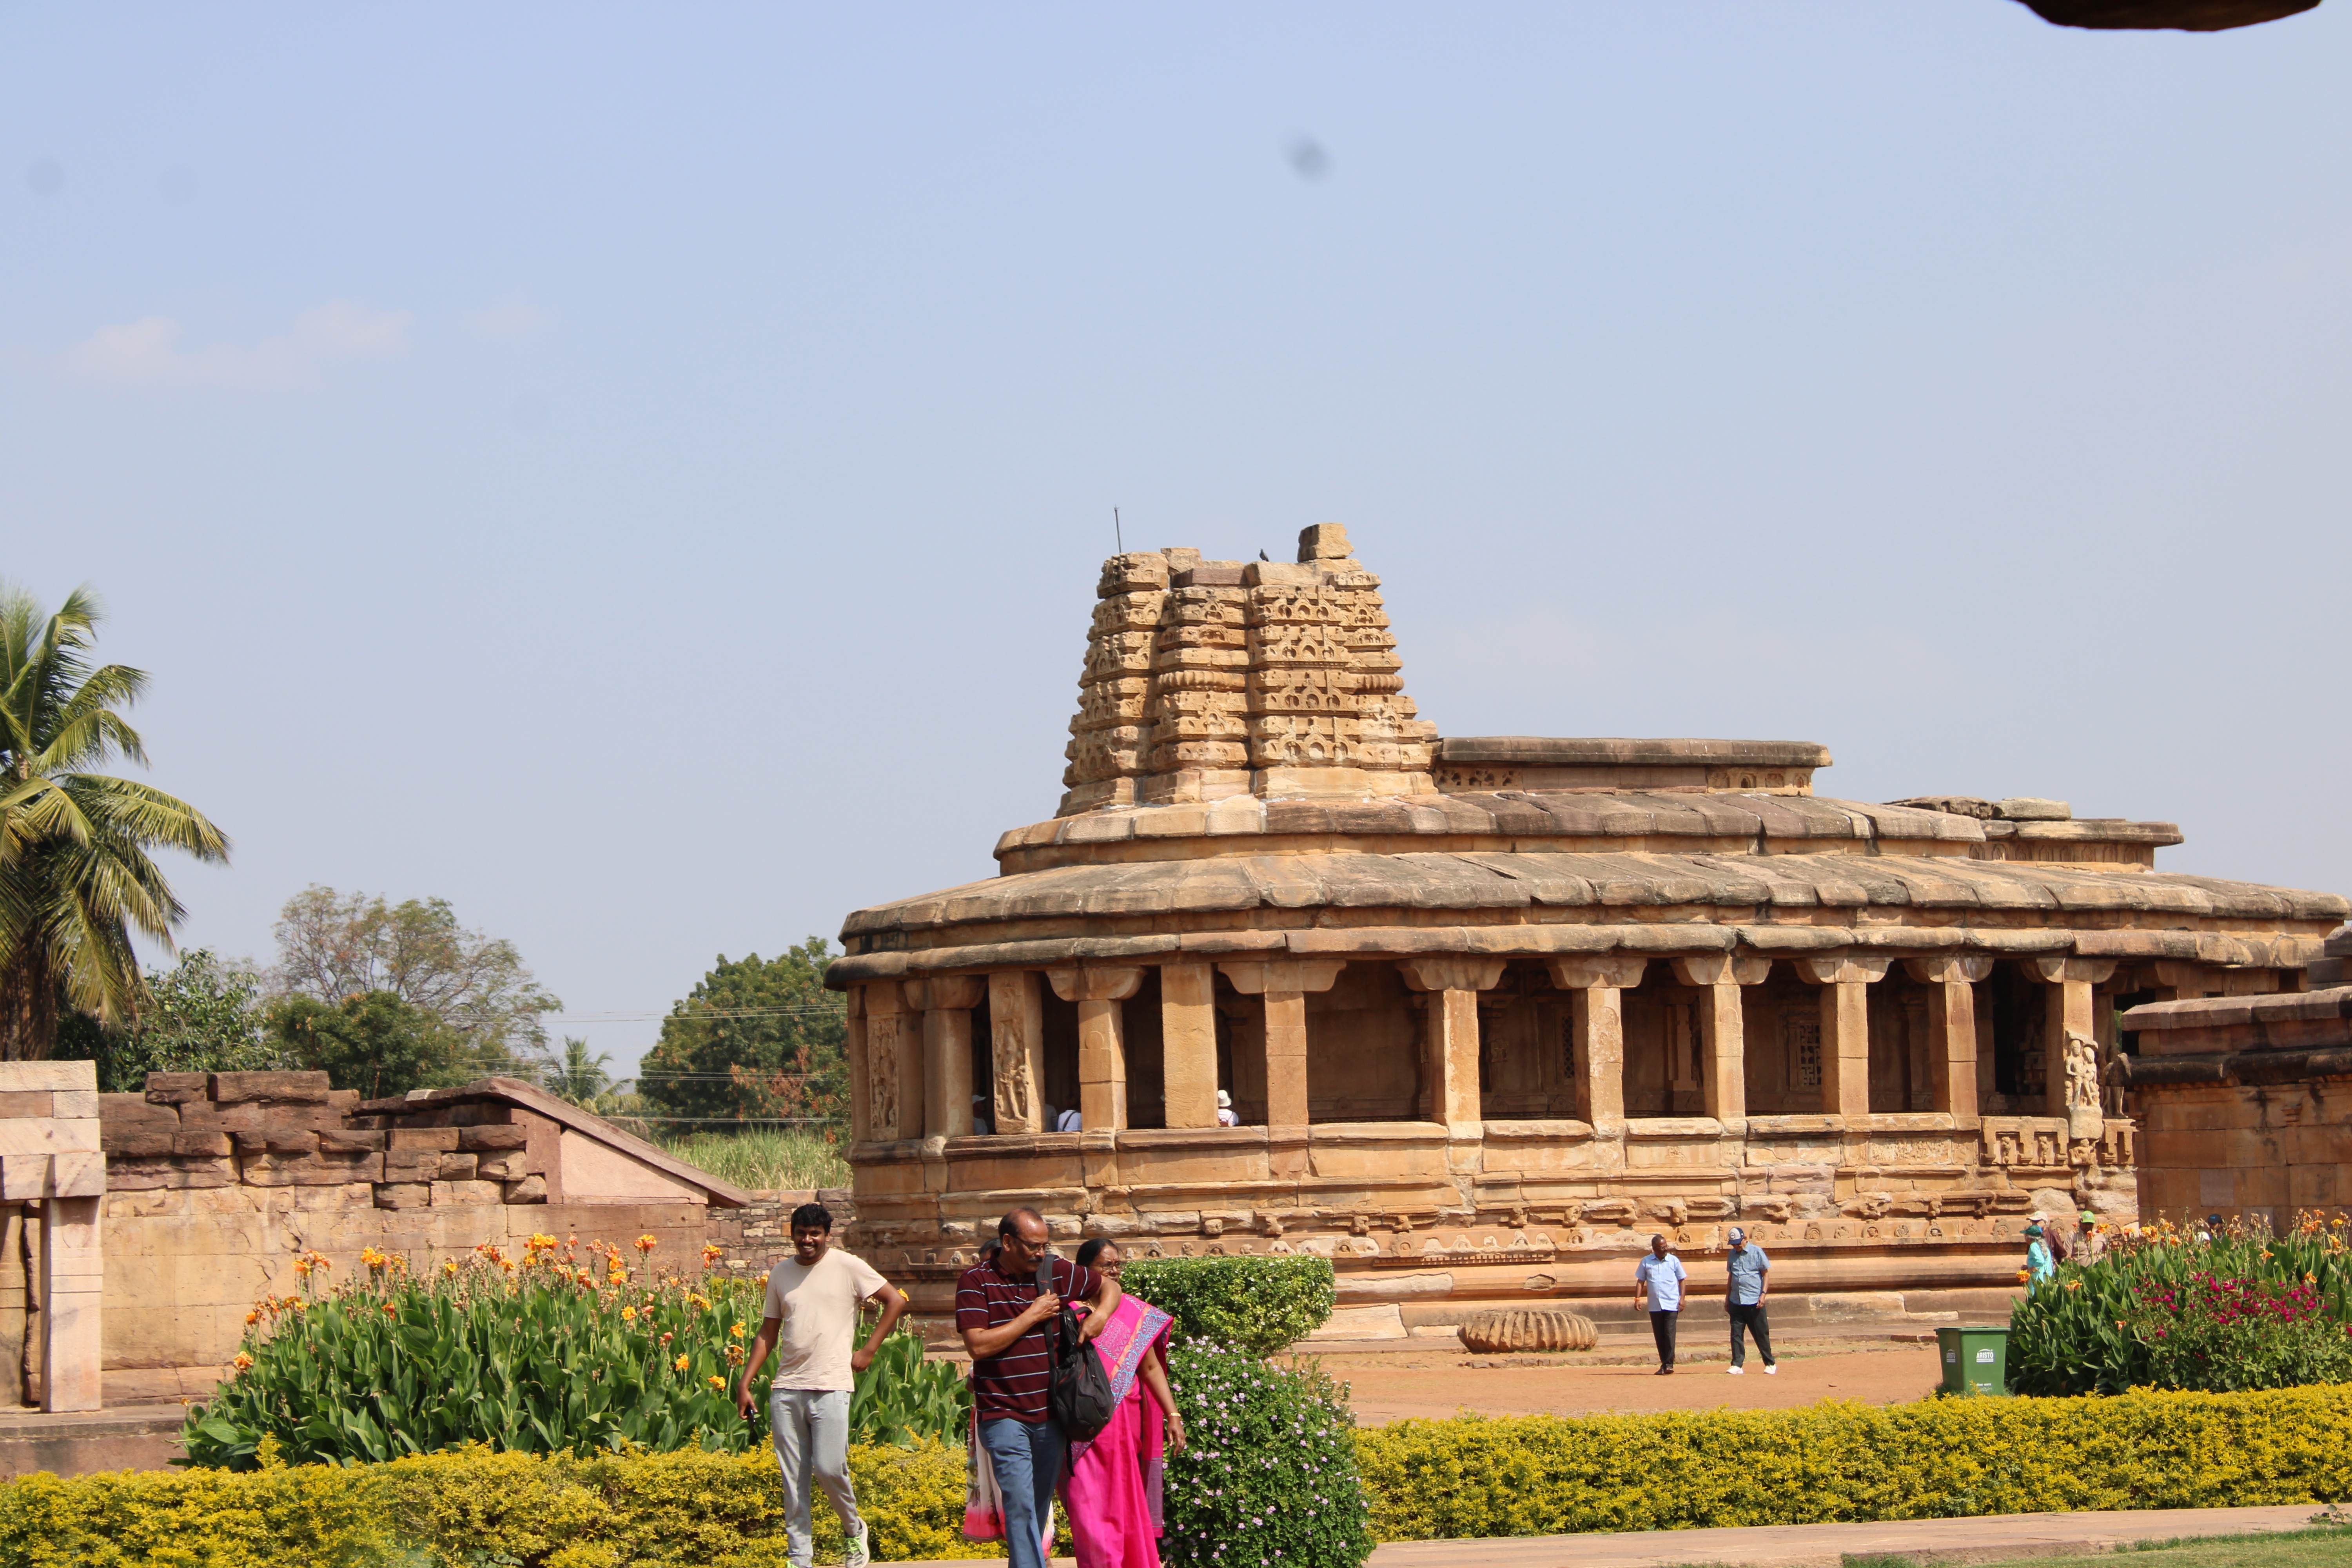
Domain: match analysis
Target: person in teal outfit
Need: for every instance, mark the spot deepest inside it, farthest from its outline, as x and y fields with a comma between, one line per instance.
x=2039, y=1265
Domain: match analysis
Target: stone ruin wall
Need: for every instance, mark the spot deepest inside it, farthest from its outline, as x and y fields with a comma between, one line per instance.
x=219, y=1183
x=1210, y=679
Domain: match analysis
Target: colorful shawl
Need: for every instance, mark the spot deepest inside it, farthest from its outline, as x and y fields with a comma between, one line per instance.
x=1131, y=1334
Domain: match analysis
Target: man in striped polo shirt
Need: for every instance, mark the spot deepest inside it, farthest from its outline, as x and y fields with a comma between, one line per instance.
x=1004, y=1321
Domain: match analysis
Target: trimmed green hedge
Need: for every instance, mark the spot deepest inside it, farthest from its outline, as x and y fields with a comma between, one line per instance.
x=1254, y=1305
x=1936, y=1458
x=476, y=1509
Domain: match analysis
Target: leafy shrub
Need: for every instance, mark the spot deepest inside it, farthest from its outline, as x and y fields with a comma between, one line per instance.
x=1255, y=1306
x=1936, y=1458
x=543, y=1353
x=2245, y=1309
x=1270, y=1473
x=473, y=1508
x=903, y=1398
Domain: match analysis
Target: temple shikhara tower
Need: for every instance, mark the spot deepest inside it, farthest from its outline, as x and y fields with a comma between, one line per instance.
x=1490, y=1010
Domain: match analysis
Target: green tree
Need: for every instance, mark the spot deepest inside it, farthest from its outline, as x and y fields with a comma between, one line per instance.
x=579, y=1079
x=376, y=1042
x=756, y=1038
x=200, y=1015
x=76, y=876
x=474, y=986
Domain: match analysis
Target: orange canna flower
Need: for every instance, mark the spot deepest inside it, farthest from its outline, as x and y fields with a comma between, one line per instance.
x=628, y=1315
x=681, y=1363
x=253, y=1317
x=243, y=1362
x=736, y=1333
x=647, y=1243
x=390, y=1310
x=716, y=1381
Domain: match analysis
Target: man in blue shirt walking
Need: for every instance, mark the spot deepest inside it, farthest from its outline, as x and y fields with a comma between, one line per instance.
x=1745, y=1301
x=1659, y=1279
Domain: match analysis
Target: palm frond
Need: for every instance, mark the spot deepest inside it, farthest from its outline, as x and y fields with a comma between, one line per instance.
x=146, y=816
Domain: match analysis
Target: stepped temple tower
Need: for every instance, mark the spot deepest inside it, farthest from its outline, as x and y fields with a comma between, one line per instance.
x=1491, y=1011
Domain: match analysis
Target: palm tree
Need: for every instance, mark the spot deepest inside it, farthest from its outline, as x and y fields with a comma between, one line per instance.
x=581, y=1079
x=75, y=875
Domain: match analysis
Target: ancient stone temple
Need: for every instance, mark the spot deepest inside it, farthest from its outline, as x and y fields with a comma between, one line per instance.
x=1490, y=1010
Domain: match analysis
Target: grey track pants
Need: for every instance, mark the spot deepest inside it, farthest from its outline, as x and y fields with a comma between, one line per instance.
x=810, y=1431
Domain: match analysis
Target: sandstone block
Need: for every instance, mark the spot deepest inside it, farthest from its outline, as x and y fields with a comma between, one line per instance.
x=402, y=1195
x=502, y=1165
x=1128, y=612
x=481, y=1140
x=2338, y=944
x=1221, y=574
x=289, y=1141
x=1285, y=645
x=201, y=1143
x=1528, y=1329
x=30, y=1102
x=456, y=1168
x=529, y=1189
x=2033, y=808
x=1136, y=570
x=1206, y=607
x=141, y=1145
x=177, y=1087
x=132, y=1112
x=1276, y=573
x=1324, y=541
x=82, y=1103
x=348, y=1142
x=274, y=1088
x=437, y=1139
x=447, y=1194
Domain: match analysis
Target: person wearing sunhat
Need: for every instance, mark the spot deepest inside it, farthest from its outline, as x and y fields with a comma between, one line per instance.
x=2039, y=1265
x=2090, y=1241
x=1744, y=1299
x=1226, y=1116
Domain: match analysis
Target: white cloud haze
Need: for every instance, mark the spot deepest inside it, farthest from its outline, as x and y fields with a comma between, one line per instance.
x=149, y=351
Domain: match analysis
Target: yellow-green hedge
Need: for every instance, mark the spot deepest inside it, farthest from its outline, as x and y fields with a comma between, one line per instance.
x=478, y=1507
x=1543, y=1475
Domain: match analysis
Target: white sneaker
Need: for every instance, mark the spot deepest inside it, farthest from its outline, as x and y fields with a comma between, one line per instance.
x=1772, y=1370
x=856, y=1556
x=1737, y=1371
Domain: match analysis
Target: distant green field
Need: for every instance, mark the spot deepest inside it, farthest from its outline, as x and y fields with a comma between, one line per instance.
x=763, y=1160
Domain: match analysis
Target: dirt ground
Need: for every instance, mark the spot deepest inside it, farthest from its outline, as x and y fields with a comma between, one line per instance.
x=1394, y=1386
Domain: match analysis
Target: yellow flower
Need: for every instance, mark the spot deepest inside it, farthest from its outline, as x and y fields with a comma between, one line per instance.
x=712, y=1252
x=253, y=1317
x=391, y=1310
x=449, y=1266
x=699, y=1301
x=2311, y=1279
x=369, y=1257
x=628, y=1315
x=736, y=1333
x=242, y=1362
x=2024, y=1275
x=716, y=1381
x=2074, y=1284
x=762, y=1281
x=647, y=1243
x=681, y=1363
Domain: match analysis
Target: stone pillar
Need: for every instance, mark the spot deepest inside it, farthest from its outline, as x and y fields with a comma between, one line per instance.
x=1285, y=984
x=1722, y=1029
x=893, y=1067
x=1188, y=1033
x=1102, y=1040
x=1598, y=1020
x=1845, y=1028
x=946, y=1003
x=1454, y=984
x=1952, y=1031
x=1016, y=1023
x=861, y=1114
x=2069, y=1018
x=71, y=1285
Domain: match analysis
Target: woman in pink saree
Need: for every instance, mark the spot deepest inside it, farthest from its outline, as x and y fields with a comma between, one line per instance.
x=1112, y=1492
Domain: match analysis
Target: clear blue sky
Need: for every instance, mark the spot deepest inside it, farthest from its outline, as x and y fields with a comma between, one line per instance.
x=640, y=473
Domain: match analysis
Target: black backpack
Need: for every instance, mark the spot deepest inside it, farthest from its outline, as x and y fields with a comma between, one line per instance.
x=1079, y=1396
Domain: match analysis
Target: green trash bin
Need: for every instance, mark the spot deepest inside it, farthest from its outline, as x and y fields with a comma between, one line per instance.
x=1976, y=1361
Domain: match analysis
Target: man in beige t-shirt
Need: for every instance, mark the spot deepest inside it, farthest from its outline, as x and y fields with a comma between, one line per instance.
x=811, y=1318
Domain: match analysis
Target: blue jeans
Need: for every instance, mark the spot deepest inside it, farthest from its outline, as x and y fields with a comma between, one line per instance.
x=1028, y=1462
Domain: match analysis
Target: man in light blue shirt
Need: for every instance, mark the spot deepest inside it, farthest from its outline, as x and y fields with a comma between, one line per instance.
x=1745, y=1301
x=1658, y=1280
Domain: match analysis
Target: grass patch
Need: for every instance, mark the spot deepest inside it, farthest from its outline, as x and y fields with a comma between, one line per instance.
x=2328, y=1545
x=763, y=1160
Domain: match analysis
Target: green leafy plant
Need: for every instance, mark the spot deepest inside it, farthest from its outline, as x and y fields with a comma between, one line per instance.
x=903, y=1398
x=761, y=1159
x=564, y=1349
x=2241, y=1309
x=1252, y=1305
x=1269, y=1477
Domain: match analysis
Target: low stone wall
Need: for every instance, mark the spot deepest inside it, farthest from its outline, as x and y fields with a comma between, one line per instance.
x=219, y=1183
